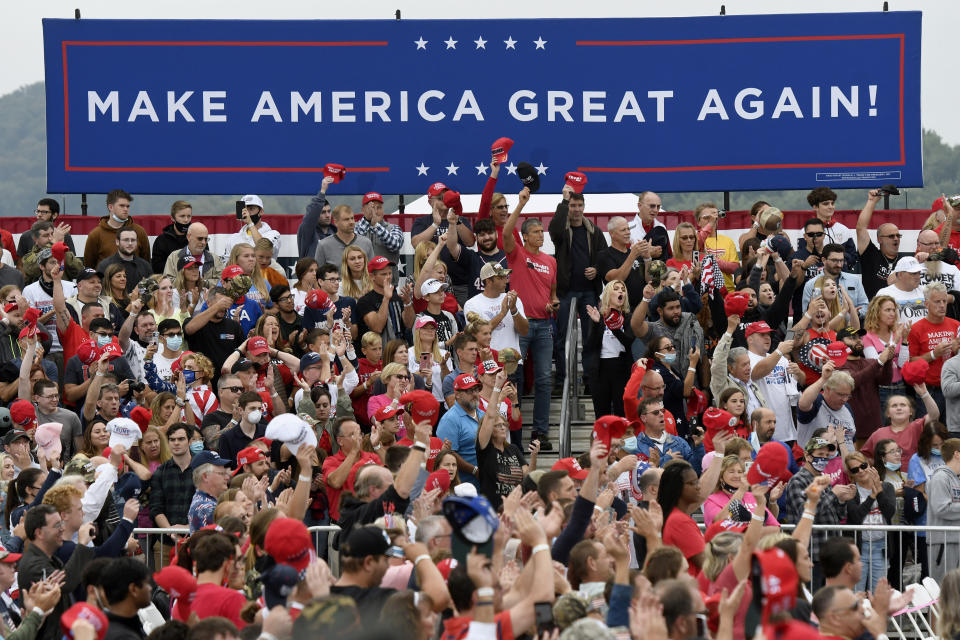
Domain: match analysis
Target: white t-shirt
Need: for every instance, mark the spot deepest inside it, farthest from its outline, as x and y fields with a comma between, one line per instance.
x=39, y=299
x=163, y=365
x=610, y=347
x=838, y=233
x=943, y=272
x=504, y=335
x=910, y=303
x=413, y=364
x=637, y=233
x=778, y=386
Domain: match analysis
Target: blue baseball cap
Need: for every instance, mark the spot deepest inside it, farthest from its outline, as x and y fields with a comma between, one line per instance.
x=310, y=359
x=208, y=457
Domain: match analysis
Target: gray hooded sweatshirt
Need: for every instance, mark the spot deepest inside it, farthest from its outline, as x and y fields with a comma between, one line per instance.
x=943, y=509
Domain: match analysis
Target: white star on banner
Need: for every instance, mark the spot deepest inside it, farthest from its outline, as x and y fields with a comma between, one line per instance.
x=540, y=42
x=481, y=169
x=422, y=170
x=510, y=42
x=542, y=170
x=421, y=43
x=452, y=169
x=511, y=169
x=451, y=43
x=481, y=43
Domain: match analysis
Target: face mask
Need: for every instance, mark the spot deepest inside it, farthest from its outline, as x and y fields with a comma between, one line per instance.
x=189, y=376
x=116, y=219
x=935, y=452
x=630, y=444
x=727, y=487
x=254, y=416
x=833, y=455
x=103, y=341
x=174, y=343
x=196, y=447
x=892, y=466
x=180, y=226
x=255, y=219
x=669, y=358
x=819, y=463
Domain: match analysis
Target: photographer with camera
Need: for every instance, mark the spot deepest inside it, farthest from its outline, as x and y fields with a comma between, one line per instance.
x=878, y=263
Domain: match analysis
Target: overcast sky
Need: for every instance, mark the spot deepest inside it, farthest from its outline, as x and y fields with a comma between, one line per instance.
x=21, y=47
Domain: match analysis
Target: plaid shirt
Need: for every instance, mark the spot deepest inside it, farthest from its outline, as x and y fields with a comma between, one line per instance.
x=389, y=234
x=170, y=492
x=829, y=509
x=201, y=510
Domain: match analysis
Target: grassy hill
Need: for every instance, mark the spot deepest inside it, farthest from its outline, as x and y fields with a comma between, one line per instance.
x=23, y=174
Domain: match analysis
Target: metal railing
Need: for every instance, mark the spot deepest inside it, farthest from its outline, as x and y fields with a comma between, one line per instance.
x=569, y=380
x=318, y=532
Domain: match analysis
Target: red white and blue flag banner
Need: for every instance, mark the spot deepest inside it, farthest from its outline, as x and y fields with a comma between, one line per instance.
x=670, y=104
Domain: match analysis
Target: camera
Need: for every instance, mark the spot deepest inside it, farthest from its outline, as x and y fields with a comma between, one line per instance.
x=721, y=213
x=135, y=386
x=889, y=189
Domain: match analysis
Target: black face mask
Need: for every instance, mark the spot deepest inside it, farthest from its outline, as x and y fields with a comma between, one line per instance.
x=181, y=227
x=255, y=219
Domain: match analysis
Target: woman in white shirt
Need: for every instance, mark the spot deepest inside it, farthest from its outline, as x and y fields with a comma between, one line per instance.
x=611, y=336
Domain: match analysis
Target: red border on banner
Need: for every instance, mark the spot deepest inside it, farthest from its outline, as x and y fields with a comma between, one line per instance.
x=197, y=43
x=735, y=167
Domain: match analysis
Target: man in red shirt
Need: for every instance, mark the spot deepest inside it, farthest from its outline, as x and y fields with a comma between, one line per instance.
x=339, y=470
x=935, y=340
x=214, y=559
x=535, y=281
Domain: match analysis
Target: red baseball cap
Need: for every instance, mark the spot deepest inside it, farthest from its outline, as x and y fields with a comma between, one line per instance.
x=838, y=352
x=59, y=251
x=778, y=581
x=388, y=411
x=488, y=366
x=716, y=420
x=915, y=372
x=937, y=205
x=23, y=414
x=87, y=351
x=84, y=611
x=31, y=330
x=257, y=346
x=439, y=479
x=142, y=416
x=372, y=196
x=575, y=180
x=770, y=465
x=572, y=467
x=720, y=526
x=176, y=581
x=757, y=327
x=232, y=271
x=609, y=428
x=465, y=381
x=696, y=403
x=112, y=350
x=422, y=405
x=436, y=189
x=500, y=148
x=452, y=200
x=378, y=263
x=735, y=304
x=178, y=363
x=335, y=171
x=289, y=542
x=317, y=299
x=249, y=455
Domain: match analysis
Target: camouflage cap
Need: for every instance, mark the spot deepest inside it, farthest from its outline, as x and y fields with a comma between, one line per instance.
x=80, y=465
x=569, y=608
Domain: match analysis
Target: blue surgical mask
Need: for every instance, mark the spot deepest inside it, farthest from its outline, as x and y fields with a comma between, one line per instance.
x=116, y=219
x=819, y=463
x=892, y=466
x=936, y=452
x=630, y=444
x=103, y=341
x=196, y=447
x=189, y=376
x=669, y=358
x=174, y=343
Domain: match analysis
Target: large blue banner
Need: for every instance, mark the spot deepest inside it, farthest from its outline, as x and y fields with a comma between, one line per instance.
x=672, y=104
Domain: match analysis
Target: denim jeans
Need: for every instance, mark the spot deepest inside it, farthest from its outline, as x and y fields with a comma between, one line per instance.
x=539, y=344
x=873, y=557
x=583, y=299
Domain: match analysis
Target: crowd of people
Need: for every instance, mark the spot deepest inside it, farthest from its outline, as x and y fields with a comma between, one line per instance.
x=739, y=385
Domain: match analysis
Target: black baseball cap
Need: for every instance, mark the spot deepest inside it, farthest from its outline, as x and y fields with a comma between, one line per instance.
x=365, y=541
x=88, y=273
x=243, y=364
x=850, y=332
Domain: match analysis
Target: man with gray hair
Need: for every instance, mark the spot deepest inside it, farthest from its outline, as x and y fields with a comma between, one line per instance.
x=824, y=404
x=731, y=368
x=623, y=260
x=197, y=237
x=211, y=478
x=934, y=339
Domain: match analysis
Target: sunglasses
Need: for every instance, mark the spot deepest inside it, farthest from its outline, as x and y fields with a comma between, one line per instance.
x=401, y=376
x=234, y=389
x=816, y=234
x=859, y=468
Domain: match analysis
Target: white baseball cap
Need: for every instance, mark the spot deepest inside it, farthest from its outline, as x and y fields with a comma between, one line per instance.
x=253, y=200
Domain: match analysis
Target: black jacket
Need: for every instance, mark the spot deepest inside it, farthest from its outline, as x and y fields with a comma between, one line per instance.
x=562, y=238
x=595, y=338
x=165, y=244
x=35, y=564
x=123, y=628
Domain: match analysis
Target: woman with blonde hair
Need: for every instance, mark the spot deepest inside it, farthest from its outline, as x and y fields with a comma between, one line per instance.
x=164, y=409
x=162, y=304
x=684, y=244
x=355, y=280
x=244, y=256
x=883, y=331
x=843, y=312
x=427, y=358
x=201, y=399
x=396, y=377
x=610, y=336
x=432, y=267
x=948, y=625
x=268, y=327
x=731, y=498
x=188, y=287
x=115, y=290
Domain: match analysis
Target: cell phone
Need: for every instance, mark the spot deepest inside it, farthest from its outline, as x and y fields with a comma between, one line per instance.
x=693, y=342
x=543, y=615
x=643, y=504
x=425, y=361
x=155, y=337
x=241, y=205
x=696, y=257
